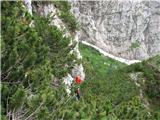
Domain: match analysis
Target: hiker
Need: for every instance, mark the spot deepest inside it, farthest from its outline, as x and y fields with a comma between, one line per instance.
x=78, y=93
x=78, y=81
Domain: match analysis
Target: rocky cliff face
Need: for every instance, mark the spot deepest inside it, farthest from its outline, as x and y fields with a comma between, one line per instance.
x=50, y=9
x=128, y=29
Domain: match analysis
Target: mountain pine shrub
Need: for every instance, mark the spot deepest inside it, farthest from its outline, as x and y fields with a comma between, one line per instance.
x=31, y=58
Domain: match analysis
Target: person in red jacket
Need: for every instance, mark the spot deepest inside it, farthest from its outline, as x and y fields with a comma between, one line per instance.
x=78, y=81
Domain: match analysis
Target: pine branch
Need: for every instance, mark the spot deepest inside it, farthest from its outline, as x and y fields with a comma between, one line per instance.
x=34, y=111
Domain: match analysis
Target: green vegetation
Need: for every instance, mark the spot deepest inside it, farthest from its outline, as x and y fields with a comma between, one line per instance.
x=32, y=57
x=63, y=5
x=58, y=44
x=70, y=20
x=103, y=74
x=117, y=86
x=111, y=88
x=65, y=14
x=135, y=45
x=151, y=74
x=108, y=92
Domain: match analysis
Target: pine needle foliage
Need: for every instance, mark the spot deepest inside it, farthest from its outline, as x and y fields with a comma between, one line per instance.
x=31, y=58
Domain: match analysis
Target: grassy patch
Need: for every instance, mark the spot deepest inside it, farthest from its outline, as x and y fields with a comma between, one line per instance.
x=103, y=77
x=134, y=45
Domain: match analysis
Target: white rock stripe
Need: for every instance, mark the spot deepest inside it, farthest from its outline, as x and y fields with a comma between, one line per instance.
x=28, y=4
x=128, y=62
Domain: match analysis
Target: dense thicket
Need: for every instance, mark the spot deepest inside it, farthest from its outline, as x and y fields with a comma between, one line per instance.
x=150, y=70
x=31, y=58
x=109, y=92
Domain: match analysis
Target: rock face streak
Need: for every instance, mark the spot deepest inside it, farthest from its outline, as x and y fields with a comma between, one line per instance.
x=128, y=29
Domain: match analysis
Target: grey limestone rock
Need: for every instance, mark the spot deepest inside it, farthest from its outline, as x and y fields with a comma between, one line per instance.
x=128, y=28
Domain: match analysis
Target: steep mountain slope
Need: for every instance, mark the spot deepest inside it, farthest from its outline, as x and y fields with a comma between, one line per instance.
x=39, y=50
x=33, y=56
x=110, y=90
x=109, y=80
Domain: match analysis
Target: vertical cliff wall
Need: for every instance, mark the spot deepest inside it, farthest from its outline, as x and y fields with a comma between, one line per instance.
x=128, y=29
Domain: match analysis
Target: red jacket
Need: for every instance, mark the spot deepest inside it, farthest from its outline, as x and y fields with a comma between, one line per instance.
x=78, y=80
